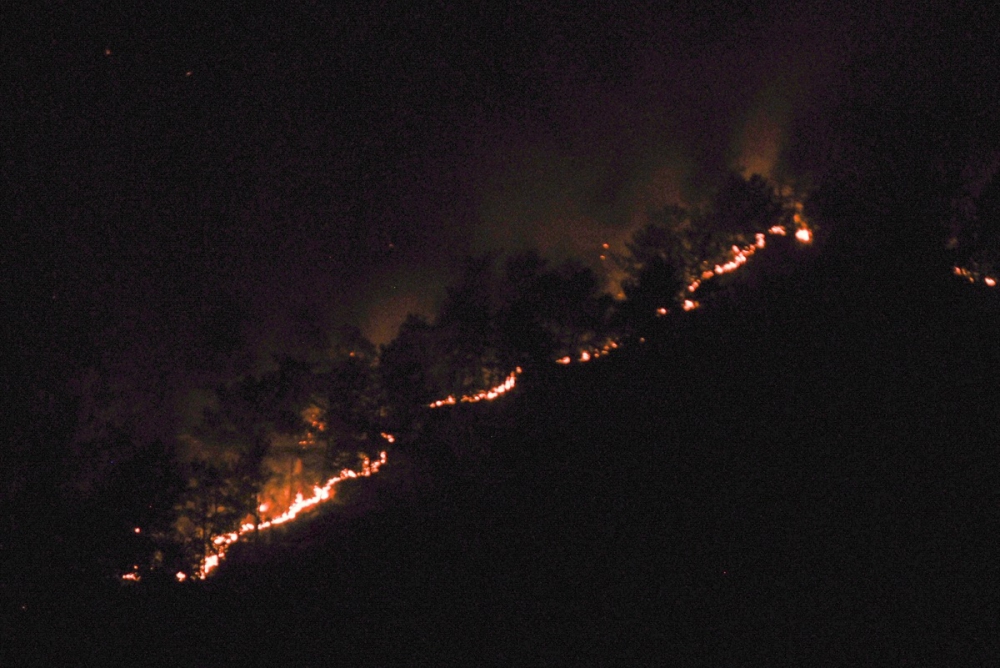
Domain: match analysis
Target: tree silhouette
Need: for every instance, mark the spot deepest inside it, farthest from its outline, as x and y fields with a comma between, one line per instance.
x=546, y=313
x=405, y=373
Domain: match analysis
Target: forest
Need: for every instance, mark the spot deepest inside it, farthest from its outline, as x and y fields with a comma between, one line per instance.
x=757, y=426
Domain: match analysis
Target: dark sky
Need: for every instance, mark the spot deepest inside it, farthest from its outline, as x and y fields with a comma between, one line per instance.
x=173, y=168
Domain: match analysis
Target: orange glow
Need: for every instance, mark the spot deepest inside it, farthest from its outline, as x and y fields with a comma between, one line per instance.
x=690, y=305
x=662, y=311
x=804, y=235
x=222, y=542
x=137, y=530
x=447, y=401
x=778, y=230
x=990, y=281
x=388, y=437
x=181, y=576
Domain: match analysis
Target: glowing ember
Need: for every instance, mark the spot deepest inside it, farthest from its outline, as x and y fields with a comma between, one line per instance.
x=972, y=276
x=662, y=311
x=181, y=576
x=389, y=438
x=564, y=360
x=778, y=230
x=690, y=305
x=804, y=235
x=484, y=395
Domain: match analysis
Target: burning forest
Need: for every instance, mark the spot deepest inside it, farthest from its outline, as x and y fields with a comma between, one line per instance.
x=505, y=334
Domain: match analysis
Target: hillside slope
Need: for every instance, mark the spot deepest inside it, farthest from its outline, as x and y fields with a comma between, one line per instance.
x=806, y=474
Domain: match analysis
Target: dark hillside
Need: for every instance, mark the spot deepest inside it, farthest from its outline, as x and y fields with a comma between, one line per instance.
x=805, y=475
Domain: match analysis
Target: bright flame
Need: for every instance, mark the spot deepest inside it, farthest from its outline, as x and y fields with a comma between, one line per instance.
x=804, y=235
x=222, y=542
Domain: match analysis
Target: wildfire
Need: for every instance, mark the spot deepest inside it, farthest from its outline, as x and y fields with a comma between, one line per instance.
x=321, y=493
x=484, y=395
x=738, y=256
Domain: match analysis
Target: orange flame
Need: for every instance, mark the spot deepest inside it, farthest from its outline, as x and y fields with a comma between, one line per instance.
x=222, y=542
x=484, y=395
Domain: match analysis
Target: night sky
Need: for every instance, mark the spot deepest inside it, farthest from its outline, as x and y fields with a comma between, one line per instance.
x=193, y=181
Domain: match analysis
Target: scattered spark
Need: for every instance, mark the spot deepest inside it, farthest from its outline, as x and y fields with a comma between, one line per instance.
x=181, y=576
x=972, y=276
x=137, y=530
x=662, y=311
